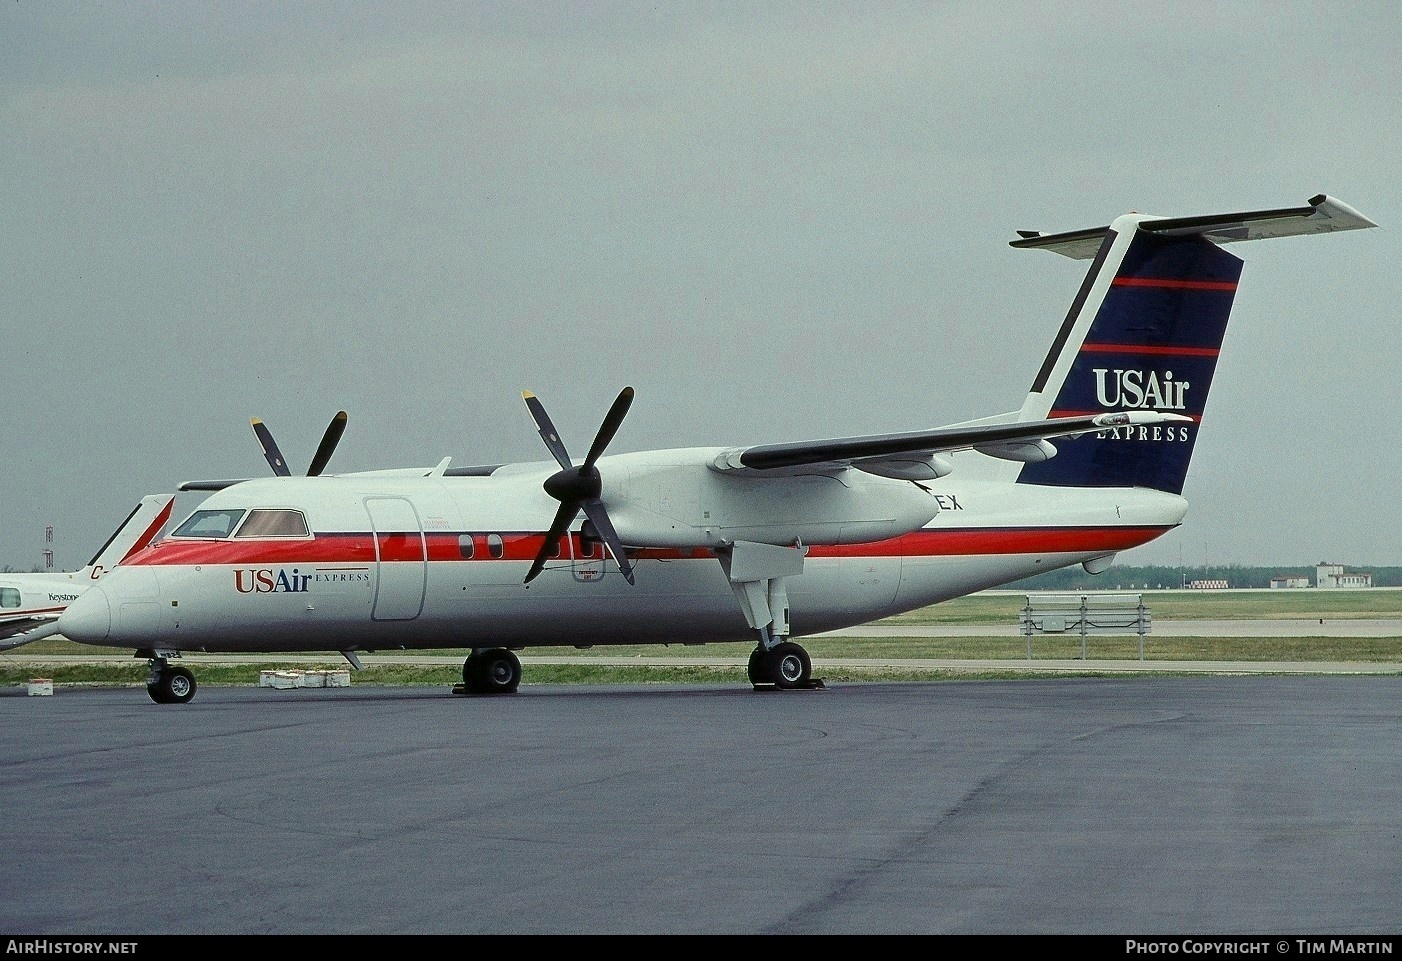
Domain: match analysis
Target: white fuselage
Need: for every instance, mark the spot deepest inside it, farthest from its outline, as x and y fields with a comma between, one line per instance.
x=439, y=562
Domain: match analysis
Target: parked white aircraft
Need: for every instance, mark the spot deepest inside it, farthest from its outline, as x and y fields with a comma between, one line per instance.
x=719, y=544
x=32, y=600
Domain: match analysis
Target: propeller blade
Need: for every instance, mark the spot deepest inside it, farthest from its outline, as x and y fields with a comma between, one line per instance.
x=578, y=488
x=609, y=427
x=567, y=512
x=270, y=450
x=547, y=429
x=329, y=440
x=599, y=517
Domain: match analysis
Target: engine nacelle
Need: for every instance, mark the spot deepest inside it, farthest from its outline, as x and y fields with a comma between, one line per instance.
x=687, y=504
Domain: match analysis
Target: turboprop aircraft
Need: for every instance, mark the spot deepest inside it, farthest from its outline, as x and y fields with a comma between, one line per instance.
x=759, y=545
x=31, y=602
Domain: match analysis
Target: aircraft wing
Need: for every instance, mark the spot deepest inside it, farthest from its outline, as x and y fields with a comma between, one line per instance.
x=915, y=455
x=24, y=629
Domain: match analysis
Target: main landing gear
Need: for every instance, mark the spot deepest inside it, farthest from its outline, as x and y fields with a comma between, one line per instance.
x=757, y=575
x=490, y=670
x=169, y=685
x=785, y=667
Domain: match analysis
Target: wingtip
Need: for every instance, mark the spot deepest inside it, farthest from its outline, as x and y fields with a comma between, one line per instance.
x=527, y=394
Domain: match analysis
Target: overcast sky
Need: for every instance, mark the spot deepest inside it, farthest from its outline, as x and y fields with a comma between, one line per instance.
x=777, y=221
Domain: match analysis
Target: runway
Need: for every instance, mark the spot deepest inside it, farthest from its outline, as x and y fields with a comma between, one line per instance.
x=1144, y=806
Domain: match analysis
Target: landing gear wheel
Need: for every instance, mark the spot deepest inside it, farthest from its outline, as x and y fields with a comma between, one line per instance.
x=495, y=671
x=786, y=667
x=761, y=667
x=790, y=666
x=171, y=685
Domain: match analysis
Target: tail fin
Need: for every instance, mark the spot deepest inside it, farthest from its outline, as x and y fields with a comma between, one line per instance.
x=139, y=529
x=1144, y=333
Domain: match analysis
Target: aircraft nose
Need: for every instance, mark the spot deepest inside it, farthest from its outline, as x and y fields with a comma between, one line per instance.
x=88, y=617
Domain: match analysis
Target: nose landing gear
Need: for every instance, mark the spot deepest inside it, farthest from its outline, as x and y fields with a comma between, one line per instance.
x=169, y=685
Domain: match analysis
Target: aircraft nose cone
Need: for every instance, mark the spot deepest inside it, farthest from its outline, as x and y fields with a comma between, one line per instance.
x=88, y=617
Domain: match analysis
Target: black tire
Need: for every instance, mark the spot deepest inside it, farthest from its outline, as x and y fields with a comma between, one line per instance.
x=761, y=667
x=172, y=685
x=497, y=671
x=790, y=665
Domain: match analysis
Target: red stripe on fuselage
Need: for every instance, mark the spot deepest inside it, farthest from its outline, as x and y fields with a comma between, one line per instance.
x=19, y=614
x=359, y=548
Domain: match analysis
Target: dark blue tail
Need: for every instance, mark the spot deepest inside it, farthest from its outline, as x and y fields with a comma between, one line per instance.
x=1152, y=345
x=1144, y=333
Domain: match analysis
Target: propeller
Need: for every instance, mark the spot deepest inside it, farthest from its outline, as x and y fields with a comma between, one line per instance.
x=329, y=440
x=577, y=487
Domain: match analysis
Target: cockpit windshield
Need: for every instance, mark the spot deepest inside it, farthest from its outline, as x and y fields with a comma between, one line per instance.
x=209, y=524
x=274, y=523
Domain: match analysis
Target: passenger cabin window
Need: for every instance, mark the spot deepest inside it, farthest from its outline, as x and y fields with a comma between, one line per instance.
x=208, y=524
x=274, y=523
x=495, y=545
x=9, y=597
x=465, y=546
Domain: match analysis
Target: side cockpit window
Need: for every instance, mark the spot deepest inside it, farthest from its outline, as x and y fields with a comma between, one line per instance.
x=274, y=523
x=209, y=524
x=9, y=597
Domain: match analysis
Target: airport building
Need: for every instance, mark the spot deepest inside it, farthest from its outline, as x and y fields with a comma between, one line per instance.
x=1325, y=575
x=1334, y=575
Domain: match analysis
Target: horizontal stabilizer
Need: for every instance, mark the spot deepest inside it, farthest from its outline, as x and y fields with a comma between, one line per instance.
x=1321, y=215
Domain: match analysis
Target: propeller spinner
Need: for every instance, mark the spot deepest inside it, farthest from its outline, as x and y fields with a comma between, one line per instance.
x=578, y=487
x=329, y=440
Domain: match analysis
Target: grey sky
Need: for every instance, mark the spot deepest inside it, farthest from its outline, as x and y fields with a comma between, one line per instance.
x=776, y=221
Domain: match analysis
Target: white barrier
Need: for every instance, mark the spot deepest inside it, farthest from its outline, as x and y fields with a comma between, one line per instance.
x=1085, y=614
x=287, y=680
